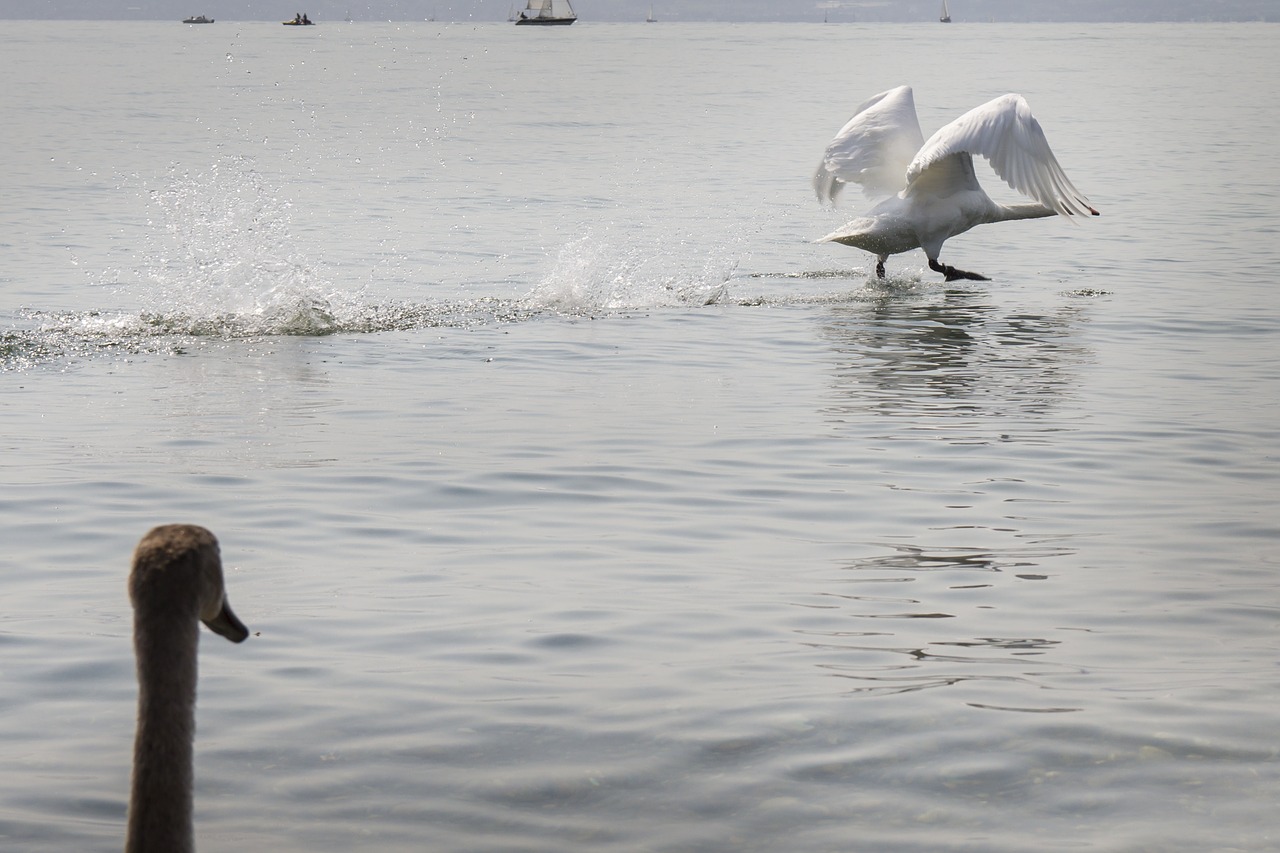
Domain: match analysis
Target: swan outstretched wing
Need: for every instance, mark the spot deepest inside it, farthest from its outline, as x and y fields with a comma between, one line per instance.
x=873, y=149
x=1006, y=133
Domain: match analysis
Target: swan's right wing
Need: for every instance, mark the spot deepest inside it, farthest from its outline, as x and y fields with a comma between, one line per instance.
x=874, y=149
x=1006, y=133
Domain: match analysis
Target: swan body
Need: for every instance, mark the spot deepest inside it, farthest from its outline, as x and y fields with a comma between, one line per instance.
x=927, y=189
x=176, y=584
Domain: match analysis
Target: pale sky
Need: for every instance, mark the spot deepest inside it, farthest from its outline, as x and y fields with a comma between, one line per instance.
x=835, y=11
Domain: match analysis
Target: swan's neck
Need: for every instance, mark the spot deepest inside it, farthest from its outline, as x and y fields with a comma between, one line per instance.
x=160, y=804
x=1030, y=210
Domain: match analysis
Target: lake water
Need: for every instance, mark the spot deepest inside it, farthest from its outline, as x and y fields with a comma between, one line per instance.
x=577, y=501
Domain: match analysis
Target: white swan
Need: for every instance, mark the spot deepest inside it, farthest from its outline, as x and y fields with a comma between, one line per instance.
x=176, y=583
x=929, y=188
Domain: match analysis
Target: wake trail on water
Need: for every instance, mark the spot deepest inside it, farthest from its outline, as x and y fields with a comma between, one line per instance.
x=220, y=263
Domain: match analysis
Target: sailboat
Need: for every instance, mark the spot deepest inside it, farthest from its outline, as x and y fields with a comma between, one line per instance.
x=946, y=13
x=651, y=19
x=547, y=12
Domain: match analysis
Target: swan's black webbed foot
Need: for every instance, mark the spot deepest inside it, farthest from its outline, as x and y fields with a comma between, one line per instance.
x=954, y=274
x=880, y=266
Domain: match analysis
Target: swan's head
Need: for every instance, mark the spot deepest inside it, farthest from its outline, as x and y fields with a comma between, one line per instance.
x=177, y=571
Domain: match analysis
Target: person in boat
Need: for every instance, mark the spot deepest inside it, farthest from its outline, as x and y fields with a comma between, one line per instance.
x=297, y=17
x=305, y=19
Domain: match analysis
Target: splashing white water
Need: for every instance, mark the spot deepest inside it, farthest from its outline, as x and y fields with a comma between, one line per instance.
x=600, y=273
x=222, y=260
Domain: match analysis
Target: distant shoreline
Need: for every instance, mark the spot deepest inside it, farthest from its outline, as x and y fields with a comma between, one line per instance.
x=671, y=20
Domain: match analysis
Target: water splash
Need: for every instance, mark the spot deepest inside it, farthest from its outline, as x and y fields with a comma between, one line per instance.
x=224, y=261
x=599, y=273
x=218, y=261
x=221, y=263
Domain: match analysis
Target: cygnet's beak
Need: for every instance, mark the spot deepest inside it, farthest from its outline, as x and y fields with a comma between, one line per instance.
x=227, y=624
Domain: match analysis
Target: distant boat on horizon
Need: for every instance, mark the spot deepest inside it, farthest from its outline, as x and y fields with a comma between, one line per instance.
x=197, y=19
x=945, y=18
x=651, y=19
x=548, y=13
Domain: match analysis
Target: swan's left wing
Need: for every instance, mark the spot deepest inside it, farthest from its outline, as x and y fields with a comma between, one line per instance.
x=1006, y=133
x=873, y=149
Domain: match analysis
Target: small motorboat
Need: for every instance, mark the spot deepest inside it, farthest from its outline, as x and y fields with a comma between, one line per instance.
x=197, y=19
x=299, y=20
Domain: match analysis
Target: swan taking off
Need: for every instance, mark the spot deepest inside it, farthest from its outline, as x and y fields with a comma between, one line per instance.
x=176, y=584
x=929, y=189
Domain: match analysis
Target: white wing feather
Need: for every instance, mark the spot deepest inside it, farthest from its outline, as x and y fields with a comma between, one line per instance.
x=873, y=149
x=1005, y=132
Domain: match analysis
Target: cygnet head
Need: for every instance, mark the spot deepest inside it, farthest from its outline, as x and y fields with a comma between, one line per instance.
x=177, y=574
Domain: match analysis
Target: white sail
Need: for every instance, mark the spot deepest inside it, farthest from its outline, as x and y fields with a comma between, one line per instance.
x=549, y=11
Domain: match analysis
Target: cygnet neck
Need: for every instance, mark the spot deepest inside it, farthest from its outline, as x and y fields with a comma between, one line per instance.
x=176, y=583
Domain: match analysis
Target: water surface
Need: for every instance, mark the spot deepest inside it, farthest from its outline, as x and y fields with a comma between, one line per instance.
x=577, y=501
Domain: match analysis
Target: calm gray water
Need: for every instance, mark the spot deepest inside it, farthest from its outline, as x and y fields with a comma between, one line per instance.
x=577, y=502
